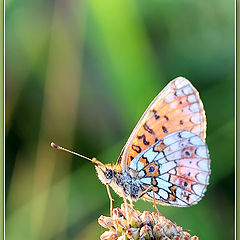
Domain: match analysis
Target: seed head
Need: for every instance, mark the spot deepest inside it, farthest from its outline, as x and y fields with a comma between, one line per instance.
x=128, y=223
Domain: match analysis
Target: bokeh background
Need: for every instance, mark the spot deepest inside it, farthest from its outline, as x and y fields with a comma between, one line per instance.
x=81, y=73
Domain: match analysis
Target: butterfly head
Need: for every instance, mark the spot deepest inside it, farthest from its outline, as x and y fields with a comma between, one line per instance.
x=106, y=173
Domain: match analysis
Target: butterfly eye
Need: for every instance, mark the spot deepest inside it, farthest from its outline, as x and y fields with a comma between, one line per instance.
x=109, y=173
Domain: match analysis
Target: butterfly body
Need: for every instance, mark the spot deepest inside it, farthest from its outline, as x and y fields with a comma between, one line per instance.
x=165, y=159
x=125, y=183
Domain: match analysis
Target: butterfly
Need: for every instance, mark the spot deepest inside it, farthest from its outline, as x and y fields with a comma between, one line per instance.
x=165, y=159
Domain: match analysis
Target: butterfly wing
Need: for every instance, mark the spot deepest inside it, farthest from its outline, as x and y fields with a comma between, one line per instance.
x=176, y=167
x=177, y=107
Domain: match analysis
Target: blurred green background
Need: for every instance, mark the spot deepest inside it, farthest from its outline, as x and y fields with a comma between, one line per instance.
x=81, y=73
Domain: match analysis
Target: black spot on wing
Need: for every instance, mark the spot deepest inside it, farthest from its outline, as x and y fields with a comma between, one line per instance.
x=136, y=148
x=164, y=129
x=148, y=129
x=166, y=117
x=155, y=114
x=143, y=137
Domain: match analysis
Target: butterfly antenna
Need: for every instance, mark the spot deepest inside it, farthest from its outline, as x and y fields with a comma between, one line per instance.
x=93, y=160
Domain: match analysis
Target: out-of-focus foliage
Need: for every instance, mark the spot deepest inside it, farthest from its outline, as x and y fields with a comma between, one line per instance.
x=81, y=73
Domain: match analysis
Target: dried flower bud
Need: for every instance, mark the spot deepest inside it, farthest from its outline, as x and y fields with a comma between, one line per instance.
x=194, y=238
x=120, y=225
x=145, y=217
x=117, y=213
x=146, y=232
x=133, y=233
x=177, y=237
x=108, y=235
x=158, y=231
x=106, y=222
x=129, y=224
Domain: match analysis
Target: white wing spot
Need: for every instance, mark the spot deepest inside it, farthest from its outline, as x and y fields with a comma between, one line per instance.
x=133, y=164
x=202, y=177
x=181, y=82
x=150, y=155
x=196, y=140
x=174, y=156
x=146, y=180
x=140, y=165
x=204, y=165
x=163, y=194
x=164, y=176
x=172, y=148
x=198, y=189
x=192, y=98
x=141, y=174
x=194, y=199
x=169, y=98
x=180, y=93
x=194, y=107
x=178, y=192
x=170, y=139
x=187, y=90
x=162, y=161
x=160, y=157
x=164, y=168
x=196, y=118
x=186, y=134
x=163, y=184
x=202, y=152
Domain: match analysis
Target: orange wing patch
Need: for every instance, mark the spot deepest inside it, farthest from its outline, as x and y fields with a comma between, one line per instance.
x=159, y=147
x=177, y=107
x=152, y=170
x=143, y=160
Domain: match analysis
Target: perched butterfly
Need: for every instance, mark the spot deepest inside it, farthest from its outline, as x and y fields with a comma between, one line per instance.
x=165, y=159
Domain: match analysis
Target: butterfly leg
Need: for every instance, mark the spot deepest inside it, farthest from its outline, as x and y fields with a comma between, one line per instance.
x=145, y=191
x=111, y=199
x=126, y=206
x=154, y=199
x=155, y=205
x=131, y=203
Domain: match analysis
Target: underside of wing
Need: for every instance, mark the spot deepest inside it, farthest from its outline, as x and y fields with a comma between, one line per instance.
x=175, y=169
x=177, y=107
